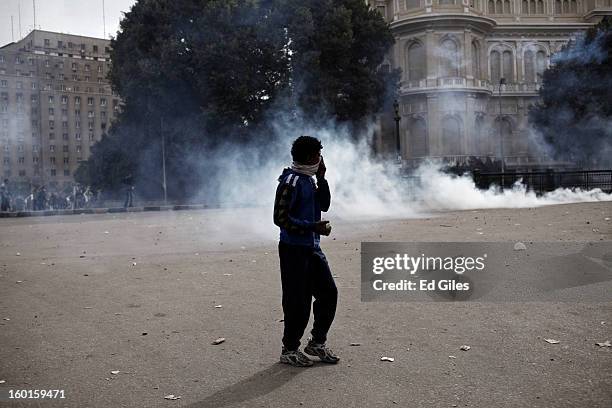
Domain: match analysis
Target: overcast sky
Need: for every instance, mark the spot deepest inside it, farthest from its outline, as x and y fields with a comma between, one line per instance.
x=83, y=17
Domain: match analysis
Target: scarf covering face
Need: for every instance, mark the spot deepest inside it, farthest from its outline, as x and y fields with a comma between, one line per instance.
x=308, y=169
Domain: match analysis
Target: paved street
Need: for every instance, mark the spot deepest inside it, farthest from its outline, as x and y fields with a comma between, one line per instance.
x=137, y=293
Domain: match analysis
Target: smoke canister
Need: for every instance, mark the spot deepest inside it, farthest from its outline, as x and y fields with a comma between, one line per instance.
x=328, y=228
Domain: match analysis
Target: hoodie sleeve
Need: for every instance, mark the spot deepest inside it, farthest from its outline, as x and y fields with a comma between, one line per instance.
x=286, y=196
x=323, y=194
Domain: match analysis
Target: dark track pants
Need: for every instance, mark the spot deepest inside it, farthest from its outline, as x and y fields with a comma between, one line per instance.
x=305, y=274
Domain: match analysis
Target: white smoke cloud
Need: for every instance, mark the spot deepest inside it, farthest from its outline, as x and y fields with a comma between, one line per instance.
x=440, y=191
x=364, y=187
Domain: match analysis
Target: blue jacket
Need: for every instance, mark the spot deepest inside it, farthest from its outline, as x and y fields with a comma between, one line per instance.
x=298, y=205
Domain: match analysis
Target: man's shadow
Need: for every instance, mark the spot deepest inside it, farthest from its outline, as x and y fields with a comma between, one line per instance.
x=260, y=383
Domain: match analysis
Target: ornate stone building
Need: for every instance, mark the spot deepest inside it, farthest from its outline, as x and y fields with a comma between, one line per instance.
x=55, y=103
x=453, y=53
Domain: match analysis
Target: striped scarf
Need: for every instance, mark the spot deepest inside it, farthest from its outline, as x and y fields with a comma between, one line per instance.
x=308, y=169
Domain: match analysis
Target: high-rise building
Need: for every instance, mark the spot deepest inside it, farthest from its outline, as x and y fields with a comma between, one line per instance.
x=470, y=71
x=55, y=103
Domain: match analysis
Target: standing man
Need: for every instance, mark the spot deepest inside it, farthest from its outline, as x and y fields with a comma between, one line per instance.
x=305, y=272
x=129, y=191
x=5, y=196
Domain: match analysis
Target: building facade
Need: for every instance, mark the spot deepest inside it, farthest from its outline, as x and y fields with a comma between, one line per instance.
x=55, y=103
x=453, y=54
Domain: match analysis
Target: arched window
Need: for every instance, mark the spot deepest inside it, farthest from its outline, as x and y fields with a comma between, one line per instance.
x=532, y=6
x=508, y=66
x=507, y=7
x=412, y=4
x=565, y=6
x=449, y=59
x=540, y=65
x=482, y=144
x=525, y=7
x=476, y=59
x=540, y=8
x=416, y=61
x=446, y=2
x=418, y=138
x=529, y=67
x=498, y=7
x=491, y=7
x=558, y=7
x=495, y=67
x=506, y=132
x=573, y=6
x=451, y=136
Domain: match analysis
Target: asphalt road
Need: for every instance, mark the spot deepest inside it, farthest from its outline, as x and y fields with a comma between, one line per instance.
x=137, y=293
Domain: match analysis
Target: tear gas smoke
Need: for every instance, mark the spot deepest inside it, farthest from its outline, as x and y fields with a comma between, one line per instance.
x=364, y=187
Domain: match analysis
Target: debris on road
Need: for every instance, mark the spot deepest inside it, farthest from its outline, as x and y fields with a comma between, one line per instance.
x=227, y=274
x=133, y=263
x=605, y=344
x=452, y=357
x=519, y=246
x=465, y=347
x=389, y=359
x=218, y=341
x=19, y=282
x=115, y=372
x=355, y=344
x=218, y=306
x=172, y=397
x=6, y=318
x=18, y=254
x=552, y=341
x=2, y=381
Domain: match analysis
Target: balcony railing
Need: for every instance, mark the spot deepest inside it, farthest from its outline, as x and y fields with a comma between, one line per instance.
x=467, y=83
x=516, y=88
x=444, y=83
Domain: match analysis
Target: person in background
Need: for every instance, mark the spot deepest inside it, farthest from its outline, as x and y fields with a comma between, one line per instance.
x=53, y=201
x=41, y=199
x=129, y=191
x=5, y=196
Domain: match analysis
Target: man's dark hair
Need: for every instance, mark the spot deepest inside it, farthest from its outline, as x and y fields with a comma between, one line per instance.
x=305, y=146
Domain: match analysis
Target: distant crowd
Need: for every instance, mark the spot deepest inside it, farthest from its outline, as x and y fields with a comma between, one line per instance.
x=40, y=199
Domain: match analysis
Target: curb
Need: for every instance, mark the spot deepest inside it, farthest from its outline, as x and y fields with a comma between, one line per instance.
x=111, y=210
